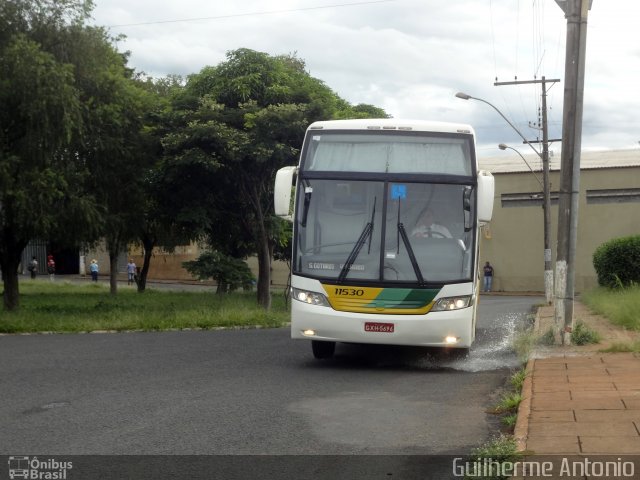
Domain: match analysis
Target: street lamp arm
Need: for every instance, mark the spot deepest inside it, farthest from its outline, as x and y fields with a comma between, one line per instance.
x=465, y=96
x=502, y=146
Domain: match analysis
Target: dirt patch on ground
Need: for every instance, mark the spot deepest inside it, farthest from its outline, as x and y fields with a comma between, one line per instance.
x=611, y=334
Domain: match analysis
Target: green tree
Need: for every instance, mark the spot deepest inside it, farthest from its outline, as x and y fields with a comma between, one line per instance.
x=164, y=220
x=115, y=146
x=119, y=155
x=363, y=110
x=242, y=121
x=71, y=142
x=41, y=115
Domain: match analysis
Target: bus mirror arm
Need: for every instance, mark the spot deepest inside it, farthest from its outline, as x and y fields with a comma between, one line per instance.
x=466, y=205
x=307, y=201
x=466, y=199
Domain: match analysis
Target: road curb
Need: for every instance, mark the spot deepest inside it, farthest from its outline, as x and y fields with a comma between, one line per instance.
x=521, y=430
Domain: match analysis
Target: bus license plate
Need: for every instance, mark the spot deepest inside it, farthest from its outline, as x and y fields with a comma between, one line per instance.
x=378, y=327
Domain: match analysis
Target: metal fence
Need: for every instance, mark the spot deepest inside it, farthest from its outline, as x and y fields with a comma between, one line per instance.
x=38, y=249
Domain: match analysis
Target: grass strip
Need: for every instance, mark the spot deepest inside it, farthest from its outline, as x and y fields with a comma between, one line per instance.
x=620, y=306
x=65, y=307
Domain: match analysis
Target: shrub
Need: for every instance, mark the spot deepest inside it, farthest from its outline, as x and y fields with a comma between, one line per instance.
x=509, y=402
x=583, y=335
x=517, y=379
x=617, y=262
x=492, y=454
x=548, y=339
x=230, y=273
x=509, y=421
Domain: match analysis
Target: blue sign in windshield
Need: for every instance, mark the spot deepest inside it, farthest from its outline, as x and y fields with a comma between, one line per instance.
x=398, y=191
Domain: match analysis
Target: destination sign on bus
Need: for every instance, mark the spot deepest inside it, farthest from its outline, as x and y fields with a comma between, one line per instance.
x=332, y=266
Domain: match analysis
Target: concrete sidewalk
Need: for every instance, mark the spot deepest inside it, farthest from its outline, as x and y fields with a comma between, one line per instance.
x=577, y=400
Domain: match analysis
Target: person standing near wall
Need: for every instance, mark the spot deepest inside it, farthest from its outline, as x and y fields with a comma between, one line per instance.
x=131, y=272
x=488, y=277
x=33, y=267
x=51, y=267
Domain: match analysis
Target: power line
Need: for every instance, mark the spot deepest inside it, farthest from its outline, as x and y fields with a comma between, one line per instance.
x=235, y=15
x=493, y=41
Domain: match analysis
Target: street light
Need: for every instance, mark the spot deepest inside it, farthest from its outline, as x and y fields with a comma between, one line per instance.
x=548, y=272
x=502, y=146
x=465, y=96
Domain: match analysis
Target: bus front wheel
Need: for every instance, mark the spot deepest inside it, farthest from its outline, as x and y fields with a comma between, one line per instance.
x=323, y=349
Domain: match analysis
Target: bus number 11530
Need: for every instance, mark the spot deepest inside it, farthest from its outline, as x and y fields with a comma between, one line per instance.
x=349, y=292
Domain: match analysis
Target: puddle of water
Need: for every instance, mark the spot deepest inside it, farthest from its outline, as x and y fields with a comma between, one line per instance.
x=492, y=350
x=495, y=350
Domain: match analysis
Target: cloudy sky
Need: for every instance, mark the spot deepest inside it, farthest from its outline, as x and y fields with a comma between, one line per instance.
x=410, y=57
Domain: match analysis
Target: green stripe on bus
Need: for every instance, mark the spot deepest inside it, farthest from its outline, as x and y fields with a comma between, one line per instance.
x=404, y=298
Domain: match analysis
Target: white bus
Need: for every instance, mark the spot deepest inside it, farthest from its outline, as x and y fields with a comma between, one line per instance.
x=363, y=269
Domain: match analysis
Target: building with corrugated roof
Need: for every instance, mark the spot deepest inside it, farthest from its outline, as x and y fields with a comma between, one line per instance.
x=609, y=202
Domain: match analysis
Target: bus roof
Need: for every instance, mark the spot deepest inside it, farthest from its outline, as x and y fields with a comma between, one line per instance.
x=392, y=124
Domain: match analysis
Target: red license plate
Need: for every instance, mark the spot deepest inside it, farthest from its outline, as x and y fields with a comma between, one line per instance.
x=378, y=327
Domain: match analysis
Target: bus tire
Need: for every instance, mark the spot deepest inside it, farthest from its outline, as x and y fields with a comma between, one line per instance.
x=323, y=349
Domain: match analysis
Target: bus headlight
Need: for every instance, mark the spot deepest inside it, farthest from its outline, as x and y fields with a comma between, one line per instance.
x=312, y=298
x=451, y=303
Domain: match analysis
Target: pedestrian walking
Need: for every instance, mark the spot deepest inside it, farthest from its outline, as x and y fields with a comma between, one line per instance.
x=93, y=268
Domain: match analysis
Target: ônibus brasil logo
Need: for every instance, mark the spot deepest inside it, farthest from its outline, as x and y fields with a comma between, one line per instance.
x=36, y=469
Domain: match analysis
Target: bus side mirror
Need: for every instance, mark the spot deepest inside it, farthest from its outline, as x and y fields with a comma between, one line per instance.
x=282, y=192
x=486, y=190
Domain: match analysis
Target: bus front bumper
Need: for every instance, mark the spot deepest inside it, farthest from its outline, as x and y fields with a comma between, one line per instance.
x=435, y=329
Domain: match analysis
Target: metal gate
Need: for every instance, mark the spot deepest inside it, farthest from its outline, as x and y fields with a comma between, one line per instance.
x=38, y=249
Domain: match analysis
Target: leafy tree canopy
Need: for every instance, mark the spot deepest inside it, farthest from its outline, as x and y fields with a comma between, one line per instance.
x=66, y=97
x=242, y=120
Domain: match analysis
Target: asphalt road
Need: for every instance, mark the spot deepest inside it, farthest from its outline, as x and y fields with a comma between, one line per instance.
x=247, y=392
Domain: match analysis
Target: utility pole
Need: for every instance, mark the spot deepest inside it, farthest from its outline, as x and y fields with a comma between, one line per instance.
x=548, y=271
x=546, y=206
x=576, y=13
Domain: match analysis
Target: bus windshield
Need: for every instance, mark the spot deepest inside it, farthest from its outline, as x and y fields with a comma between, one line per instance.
x=387, y=152
x=384, y=231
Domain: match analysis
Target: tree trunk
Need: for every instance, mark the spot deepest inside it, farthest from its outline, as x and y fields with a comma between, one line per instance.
x=264, y=273
x=148, y=246
x=114, y=247
x=10, y=254
x=222, y=287
x=113, y=271
x=262, y=248
x=11, y=296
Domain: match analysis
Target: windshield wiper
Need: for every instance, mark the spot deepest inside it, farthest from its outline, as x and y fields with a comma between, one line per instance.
x=412, y=257
x=402, y=233
x=366, y=232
